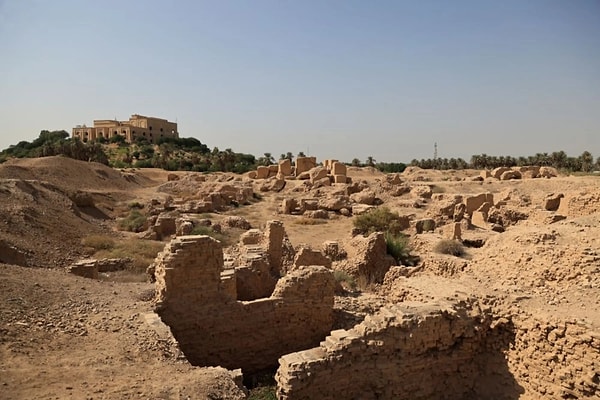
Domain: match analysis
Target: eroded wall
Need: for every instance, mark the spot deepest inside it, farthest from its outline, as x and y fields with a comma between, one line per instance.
x=555, y=359
x=455, y=350
x=212, y=328
x=408, y=351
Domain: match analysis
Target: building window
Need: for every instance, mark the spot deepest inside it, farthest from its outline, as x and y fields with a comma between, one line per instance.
x=144, y=133
x=116, y=133
x=161, y=130
x=150, y=128
x=123, y=132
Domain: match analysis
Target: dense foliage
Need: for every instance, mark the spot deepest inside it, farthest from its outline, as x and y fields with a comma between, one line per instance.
x=56, y=143
x=187, y=154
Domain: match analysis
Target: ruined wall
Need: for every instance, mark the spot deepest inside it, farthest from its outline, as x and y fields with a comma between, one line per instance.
x=212, y=328
x=447, y=351
x=555, y=359
x=404, y=351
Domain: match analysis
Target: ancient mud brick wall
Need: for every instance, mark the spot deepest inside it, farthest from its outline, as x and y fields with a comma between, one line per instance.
x=402, y=352
x=448, y=351
x=555, y=359
x=212, y=328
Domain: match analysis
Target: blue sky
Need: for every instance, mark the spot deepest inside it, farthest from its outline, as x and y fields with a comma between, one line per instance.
x=335, y=79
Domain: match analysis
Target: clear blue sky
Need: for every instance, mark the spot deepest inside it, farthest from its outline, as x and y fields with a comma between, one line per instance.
x=336, y=79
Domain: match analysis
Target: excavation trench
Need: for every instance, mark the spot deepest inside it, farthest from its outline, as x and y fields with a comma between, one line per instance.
x=454, y=349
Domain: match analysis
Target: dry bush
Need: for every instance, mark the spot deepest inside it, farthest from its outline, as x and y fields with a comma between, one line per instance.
x=142, y=252
x=365, y=283
x=135, y=221
x=450, y=247
x=98, y=242
x=345, y=279
x=207, y=230
x=309, y=221
x=227, y=237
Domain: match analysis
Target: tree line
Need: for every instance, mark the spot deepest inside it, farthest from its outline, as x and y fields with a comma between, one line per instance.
x=189, y=154
x=558, y=159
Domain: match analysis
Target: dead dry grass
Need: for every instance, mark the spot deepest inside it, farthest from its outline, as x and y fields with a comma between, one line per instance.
x=142, y=252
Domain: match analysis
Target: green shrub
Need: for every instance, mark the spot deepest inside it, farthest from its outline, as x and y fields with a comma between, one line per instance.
x=262, y=393
x=134, y=222
x=118, y=164
x=378, y=220
x=146, y=163
x=397, y=246
x=451, y=247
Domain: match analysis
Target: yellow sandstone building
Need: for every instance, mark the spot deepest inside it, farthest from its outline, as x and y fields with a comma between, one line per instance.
x=150, y=128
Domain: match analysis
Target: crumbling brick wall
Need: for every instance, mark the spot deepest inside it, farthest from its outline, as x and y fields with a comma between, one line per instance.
x=403, y=352
x=555, y=359
x=212, y=328
x=447, y=351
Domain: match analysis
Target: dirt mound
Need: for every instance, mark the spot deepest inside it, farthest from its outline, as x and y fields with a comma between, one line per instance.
x=48, y=204
x=42, y=224
x=70, y=174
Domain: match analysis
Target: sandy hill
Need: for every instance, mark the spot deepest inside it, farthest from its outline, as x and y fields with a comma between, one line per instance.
x=48, y=204
x=70, y=174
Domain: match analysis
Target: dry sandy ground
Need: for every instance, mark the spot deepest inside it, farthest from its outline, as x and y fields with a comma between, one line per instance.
x=63, y=336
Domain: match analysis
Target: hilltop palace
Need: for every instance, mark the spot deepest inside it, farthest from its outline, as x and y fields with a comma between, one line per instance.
x=150, y=128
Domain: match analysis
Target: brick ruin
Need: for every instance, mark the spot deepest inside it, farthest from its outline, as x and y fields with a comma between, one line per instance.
x=447, y=350
x=197, y=298
x=458, y=347
x=409, y=351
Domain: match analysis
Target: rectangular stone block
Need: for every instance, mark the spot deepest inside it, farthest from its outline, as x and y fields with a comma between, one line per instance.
x=340, y=179
x=338, y=168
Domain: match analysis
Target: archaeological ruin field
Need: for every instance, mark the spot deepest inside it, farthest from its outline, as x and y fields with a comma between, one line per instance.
x=313, y=280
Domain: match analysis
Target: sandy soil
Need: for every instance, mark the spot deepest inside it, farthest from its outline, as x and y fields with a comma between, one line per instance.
x=62, y=336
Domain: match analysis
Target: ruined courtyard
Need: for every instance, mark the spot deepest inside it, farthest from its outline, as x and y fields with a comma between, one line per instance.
x=291, y=292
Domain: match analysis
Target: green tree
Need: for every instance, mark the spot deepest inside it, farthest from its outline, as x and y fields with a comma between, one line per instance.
x=587, y=161
x=266, y=159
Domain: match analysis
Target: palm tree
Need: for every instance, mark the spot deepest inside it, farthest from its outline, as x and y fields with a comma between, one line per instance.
x=355, y=162
x=558, y=159
x=587, y=161
x=370, y=161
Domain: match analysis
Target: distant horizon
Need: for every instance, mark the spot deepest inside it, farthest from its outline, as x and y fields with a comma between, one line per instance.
x=338, y=80
x=363, y=160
